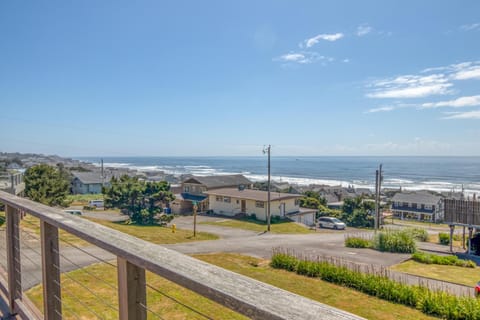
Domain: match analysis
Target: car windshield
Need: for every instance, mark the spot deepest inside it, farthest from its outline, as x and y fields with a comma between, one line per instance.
x=336, y=220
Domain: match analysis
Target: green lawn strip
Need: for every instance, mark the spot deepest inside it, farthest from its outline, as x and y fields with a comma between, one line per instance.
x=104, y=302
x=460, y=275
x=82, y=199
x=336, y=296
x=284, y=227
x=157, y=234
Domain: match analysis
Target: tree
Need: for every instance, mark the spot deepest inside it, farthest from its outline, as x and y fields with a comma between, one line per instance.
x=357, y=213
x=141, y=200
x=46, y=184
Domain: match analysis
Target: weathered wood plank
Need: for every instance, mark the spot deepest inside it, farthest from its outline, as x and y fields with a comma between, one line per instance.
x=250, y=297
x=132, y=293
x=52, y=305
x=13, y=256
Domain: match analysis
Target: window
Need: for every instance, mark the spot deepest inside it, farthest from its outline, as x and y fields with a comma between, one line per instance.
x=259, y=204
x=428, y=207
x=219, y=198
x=238, y=201
x=227, y=199
x=405, y=204
x=414, y=205
x=297, y=202
x=186, y=189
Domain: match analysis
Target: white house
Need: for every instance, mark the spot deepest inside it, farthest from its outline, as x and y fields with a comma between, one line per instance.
x=233, y=201
x=417, y=205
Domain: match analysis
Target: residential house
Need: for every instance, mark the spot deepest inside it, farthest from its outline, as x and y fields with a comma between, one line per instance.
x=194, y=188
x=234, y=201
x=417, y=205
x=88, y=182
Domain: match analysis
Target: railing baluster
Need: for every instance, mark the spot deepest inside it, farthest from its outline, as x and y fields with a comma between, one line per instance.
x=13, y=257
x=50, y=271
x=132, y=293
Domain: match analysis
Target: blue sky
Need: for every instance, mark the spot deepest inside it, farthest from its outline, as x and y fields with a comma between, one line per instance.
x=99, y=78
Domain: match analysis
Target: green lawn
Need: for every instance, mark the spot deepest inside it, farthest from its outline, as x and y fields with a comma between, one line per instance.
x=460, y=275
x=83, y=199
x=337, y=296
x=157, y=234
x=259, y=226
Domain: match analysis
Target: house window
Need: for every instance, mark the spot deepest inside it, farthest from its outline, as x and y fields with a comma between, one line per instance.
x=414, y=205
x=186, y=189
x=238, y=201
x=259, y=204
x=227, y=199
x=405, y=204
x=297, y=202
x=219, y=198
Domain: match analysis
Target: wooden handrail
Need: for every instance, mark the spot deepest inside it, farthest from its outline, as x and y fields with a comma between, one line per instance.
x=247, y=296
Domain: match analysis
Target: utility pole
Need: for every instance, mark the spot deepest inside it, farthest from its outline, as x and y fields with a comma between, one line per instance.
x=378, y=188
x=267, y=150
x=195, y=219
x=103, y=176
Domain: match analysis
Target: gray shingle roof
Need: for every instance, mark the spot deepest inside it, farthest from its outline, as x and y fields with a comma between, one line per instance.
x=250, y=194
x=416, y=197
x=212, y=182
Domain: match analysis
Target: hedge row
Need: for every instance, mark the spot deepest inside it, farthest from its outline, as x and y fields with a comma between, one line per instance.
x=443, y=260
x=436, y=303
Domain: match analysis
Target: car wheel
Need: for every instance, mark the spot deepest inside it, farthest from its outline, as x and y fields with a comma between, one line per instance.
x=335, y=227
x=320, y=225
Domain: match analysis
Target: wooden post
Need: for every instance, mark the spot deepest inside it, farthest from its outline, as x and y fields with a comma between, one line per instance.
x=132, y=294
x=52, y=303
x=194, y=220
x=452, y=227
x=470, y=229
x=13, y=257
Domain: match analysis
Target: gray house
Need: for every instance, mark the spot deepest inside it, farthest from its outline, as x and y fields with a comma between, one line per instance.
x=88, y=182
x=418, y=205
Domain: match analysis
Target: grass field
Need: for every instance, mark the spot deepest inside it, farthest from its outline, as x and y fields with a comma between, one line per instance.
x=83, y=199
x=157, y=234
x=259, y=226
x=460, y=275
x=337, y=296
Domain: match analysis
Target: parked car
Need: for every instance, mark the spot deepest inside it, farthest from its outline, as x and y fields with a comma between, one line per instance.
x=74, y=212
x=96, y=203
x=330, y=222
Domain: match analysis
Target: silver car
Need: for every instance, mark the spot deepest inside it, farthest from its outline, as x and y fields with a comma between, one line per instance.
x=330, y=222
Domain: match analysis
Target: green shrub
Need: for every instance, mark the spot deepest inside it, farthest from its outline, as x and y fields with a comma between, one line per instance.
x=423, y=257
x=400, y=241
x=444, y=238
x=436, y=303
x=357, y=242
x=419, y=234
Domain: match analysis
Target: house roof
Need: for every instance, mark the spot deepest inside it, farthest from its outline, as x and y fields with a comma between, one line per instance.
x=220, y=181
x=94, y=177
x=250, y=194
x=416, y=197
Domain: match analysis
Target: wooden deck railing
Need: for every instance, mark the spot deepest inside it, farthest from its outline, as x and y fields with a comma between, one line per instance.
x=249, y=297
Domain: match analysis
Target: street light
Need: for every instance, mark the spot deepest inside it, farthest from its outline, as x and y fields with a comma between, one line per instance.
x=267, y=150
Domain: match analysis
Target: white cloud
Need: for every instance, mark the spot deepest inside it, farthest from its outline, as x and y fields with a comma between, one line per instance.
x=346, y=60
x=304, y=57
x=410, y=86
x=381, y=109
x=363, y=30
x=460, y=71
x=470, y=27
x=415, y=146
x=472, y=72
x=328, y=37
x=469, y=101
x=463, y=115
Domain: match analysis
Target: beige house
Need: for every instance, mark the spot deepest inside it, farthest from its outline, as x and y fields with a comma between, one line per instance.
x=233, y=201
x=193, y=190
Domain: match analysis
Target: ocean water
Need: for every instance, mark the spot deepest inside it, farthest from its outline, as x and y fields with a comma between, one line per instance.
x=411, y=173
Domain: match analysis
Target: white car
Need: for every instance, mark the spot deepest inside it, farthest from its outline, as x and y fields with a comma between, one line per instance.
x=330, y=222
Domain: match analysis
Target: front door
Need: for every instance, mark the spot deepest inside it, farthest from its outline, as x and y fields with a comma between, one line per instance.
x=244, y=206
x=282, y=209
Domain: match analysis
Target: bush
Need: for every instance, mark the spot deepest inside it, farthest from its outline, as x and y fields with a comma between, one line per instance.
x=444, y=238
x=436, y=303
x=357, y=242
x=89, y=208
x=419, y=234
x=400, y=241
x=442, y=260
